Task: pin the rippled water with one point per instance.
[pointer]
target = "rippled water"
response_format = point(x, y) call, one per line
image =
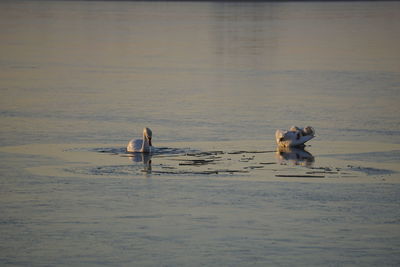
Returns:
point(96, 72)
point(213, 80)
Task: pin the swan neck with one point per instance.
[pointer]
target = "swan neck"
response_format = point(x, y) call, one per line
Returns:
point(145, 144)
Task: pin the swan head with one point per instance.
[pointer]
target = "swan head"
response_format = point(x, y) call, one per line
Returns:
point(309, 131)
point(147, 135)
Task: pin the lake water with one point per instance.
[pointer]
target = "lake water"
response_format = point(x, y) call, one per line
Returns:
point(213, 80)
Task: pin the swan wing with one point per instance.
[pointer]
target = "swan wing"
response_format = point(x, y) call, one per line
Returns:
point(301, 140)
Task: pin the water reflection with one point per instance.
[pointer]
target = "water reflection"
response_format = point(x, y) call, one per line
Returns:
point(144, 158)
point(295, 156)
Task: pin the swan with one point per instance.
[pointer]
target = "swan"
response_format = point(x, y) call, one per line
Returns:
point(294, 137)
point(141, 145)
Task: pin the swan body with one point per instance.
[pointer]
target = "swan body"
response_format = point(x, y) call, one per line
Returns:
point(141, 145)
point(294, 137)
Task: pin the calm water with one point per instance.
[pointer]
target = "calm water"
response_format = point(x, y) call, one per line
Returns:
point(81, 77)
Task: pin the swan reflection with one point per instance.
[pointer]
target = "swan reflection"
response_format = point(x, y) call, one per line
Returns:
point(296, 156)
point(144, 158)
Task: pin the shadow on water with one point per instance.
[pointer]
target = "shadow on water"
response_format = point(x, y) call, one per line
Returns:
point(294, 162)
point(165, 160)
point(144, 158)
point(295, 156)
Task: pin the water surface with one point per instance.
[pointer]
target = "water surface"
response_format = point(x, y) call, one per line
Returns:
point(213, 80)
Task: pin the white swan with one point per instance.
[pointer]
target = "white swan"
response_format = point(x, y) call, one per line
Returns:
point(294, 137)
point(141, 145)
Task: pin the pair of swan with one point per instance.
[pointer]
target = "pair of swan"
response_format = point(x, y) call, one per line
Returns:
point(294, 137)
